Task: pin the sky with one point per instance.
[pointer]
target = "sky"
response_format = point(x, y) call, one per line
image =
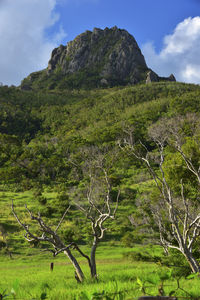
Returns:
point(168, 32)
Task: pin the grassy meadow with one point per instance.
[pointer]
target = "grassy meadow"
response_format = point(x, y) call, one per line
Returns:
point(28, 276)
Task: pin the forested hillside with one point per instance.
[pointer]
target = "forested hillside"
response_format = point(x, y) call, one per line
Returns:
point(40, 131)
point(48, 140)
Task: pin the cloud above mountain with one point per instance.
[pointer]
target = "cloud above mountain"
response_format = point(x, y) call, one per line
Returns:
point(180, 52)
point(25, 45)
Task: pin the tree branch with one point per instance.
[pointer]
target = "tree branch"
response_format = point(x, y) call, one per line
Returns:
point(61, 220)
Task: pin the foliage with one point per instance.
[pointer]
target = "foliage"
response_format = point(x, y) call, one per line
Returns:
point(39, 129)
point(44, 132)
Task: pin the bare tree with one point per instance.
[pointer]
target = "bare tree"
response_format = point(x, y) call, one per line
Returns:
point(182, 214)
point(98, 207)
point(49, 236)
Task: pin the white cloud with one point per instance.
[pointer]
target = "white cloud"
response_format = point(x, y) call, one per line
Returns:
point(180, 53)
point(24, 46)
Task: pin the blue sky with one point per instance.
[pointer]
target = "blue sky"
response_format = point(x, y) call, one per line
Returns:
point(146, 20)
point(168, 32)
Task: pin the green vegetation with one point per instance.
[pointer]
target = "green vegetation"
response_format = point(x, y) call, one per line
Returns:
point(121, 278)
point(48, 138)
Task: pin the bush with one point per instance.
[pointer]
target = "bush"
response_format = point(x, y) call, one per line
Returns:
point(177, 262)
point(138, 256)
point(62, 202)
point(2, 244)
point(37, 192)
point(128, 240)
point(42, 200)
point(47, 211)
point(70, 233)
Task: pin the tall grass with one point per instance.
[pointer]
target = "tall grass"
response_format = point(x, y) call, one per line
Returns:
point(28, 276)
point(31, 278)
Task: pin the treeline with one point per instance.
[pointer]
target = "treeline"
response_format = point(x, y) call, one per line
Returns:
point(39, 130)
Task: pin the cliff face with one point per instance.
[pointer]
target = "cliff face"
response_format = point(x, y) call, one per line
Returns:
point(94, 59)
point(110, 53)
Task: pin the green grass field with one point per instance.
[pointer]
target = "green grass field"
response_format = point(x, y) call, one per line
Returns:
point(29, 277)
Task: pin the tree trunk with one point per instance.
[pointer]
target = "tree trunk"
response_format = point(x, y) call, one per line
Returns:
point(78, 270)
point(194, 265)
point(93, 259)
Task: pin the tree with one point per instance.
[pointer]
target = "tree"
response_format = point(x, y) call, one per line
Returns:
point(97, 208)
point(49, 236)
point(176, 215)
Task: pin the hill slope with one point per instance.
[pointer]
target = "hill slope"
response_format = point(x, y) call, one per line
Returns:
point(38, 124)
point(45, 136)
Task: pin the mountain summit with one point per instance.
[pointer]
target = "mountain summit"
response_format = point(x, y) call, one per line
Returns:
point(112, 54)
point(93, 59)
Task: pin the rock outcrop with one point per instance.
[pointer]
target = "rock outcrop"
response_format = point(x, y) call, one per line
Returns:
point(110, 53)
point(153, 77)
point(98, 58)
point(171, 78)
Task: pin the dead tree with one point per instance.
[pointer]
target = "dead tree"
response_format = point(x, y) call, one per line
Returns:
point(181, 213)
point(49, 236)
point(95, 199)
point(98, 209)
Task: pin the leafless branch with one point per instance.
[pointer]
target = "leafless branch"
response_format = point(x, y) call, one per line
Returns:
point(49, 236)
point(61, 220)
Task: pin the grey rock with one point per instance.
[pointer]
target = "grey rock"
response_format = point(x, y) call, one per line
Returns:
point(152, 77)
point(104, 82)
point(98, 58)
point(171, 78)
point(111, 53)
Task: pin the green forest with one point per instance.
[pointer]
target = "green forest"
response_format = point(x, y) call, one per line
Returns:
point(109, 177)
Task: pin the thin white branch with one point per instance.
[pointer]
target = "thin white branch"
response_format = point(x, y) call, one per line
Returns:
point(61, 220)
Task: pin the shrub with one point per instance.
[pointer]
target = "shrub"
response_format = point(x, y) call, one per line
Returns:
point(42, 200)
point(145, 256)
point(128, 240)
point(177, 262)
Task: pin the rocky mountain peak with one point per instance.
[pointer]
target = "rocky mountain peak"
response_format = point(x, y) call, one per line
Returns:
point(102, 57)
point(113, 54)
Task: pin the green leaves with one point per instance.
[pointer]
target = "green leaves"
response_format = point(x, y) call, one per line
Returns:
point(192, 276)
